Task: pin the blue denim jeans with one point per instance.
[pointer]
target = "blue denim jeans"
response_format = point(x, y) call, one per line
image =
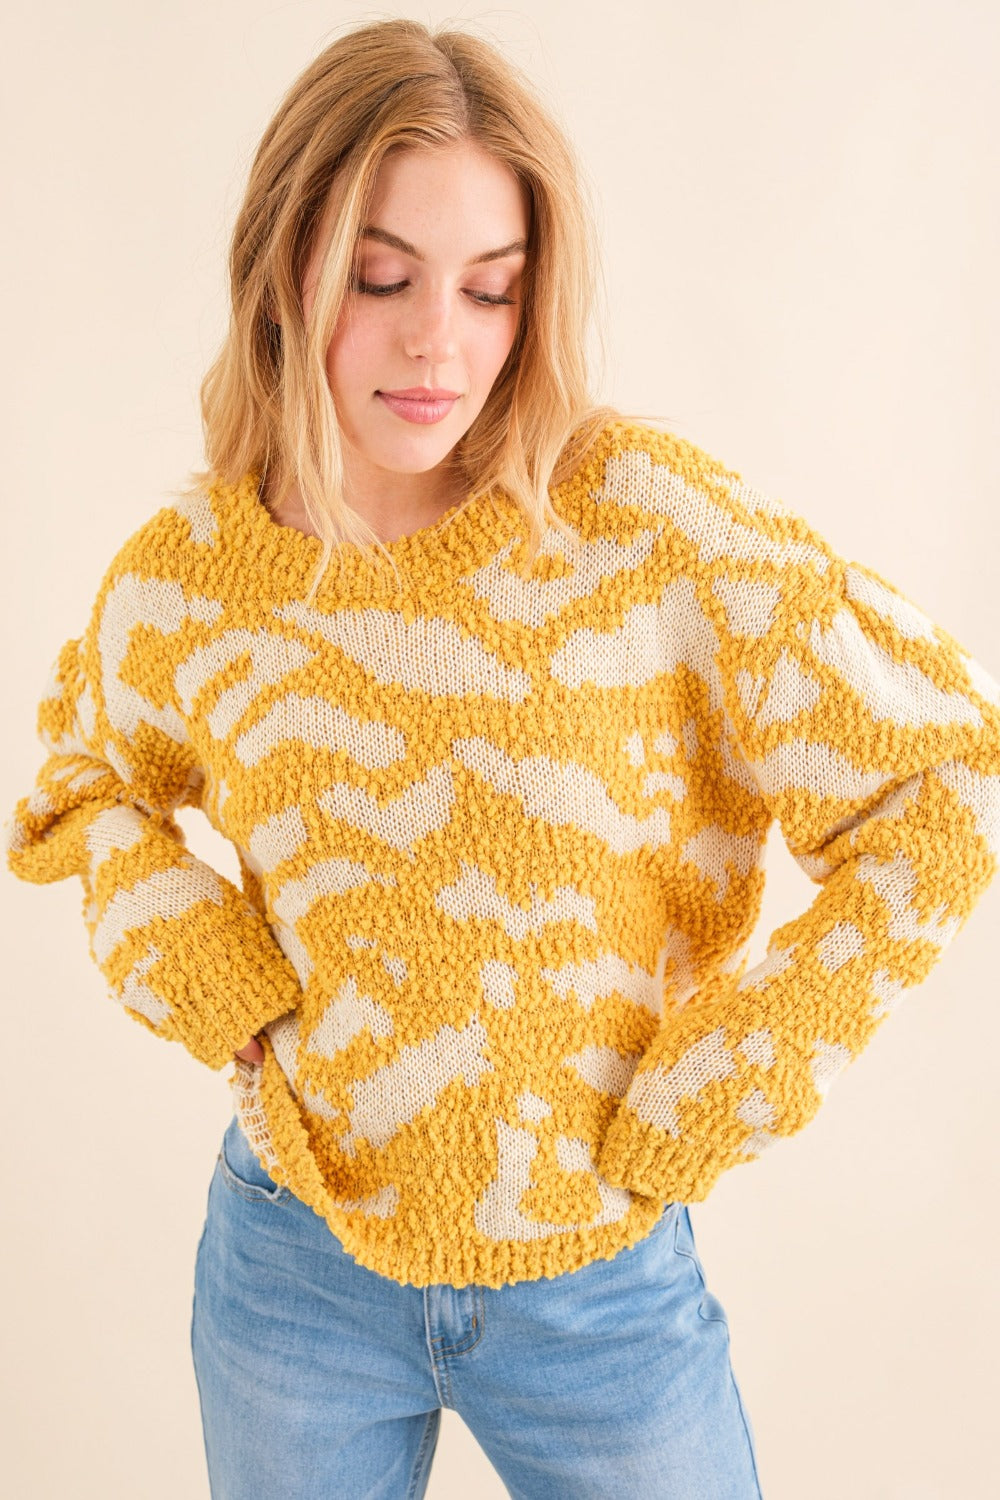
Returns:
point(322, 1380)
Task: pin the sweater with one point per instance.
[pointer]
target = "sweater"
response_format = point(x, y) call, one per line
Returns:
point(500, 833)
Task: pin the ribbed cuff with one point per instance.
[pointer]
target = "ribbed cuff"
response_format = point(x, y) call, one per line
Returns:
point(223, 985)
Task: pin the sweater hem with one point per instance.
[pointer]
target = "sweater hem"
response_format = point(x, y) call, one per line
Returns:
point(268, 1114)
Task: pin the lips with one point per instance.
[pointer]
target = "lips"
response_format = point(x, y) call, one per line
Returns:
point(419, 403)
point(422, 393)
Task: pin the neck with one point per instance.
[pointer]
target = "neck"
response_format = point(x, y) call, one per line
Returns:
point(394, 506)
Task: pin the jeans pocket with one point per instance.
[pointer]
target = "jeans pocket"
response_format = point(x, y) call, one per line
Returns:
point(710, 1309)
point(241, 1171)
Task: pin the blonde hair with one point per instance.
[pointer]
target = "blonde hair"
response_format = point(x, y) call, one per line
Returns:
point(266, 403)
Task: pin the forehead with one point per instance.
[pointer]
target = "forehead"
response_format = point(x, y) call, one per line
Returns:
point(456, 195)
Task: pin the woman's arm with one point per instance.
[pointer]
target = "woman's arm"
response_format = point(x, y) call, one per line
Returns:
point(182, 949)
point(874, 739)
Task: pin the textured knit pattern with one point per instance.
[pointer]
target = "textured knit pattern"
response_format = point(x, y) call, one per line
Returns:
point(500, 834)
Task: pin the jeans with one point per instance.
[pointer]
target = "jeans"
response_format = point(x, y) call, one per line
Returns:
point(320, 1379)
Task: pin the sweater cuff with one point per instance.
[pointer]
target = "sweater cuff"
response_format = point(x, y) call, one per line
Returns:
point(213, 1038)
point(645, 1159)
point(222, 986)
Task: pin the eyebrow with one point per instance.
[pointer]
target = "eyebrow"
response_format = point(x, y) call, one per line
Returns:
point(384, 237)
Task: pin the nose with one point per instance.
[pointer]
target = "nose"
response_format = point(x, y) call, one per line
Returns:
point(430, 330)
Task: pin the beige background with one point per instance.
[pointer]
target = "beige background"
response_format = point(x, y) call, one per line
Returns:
point(800, 211)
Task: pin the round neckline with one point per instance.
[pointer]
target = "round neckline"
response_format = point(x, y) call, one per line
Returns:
point(466, 535)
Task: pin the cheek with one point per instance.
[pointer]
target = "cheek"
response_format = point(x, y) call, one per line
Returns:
point(496, 346)
point(352, 351)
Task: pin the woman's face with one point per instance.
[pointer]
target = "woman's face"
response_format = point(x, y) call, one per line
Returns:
point(432, 313)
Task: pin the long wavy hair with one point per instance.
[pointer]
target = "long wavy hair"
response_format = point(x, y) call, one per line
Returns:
point(266, 402)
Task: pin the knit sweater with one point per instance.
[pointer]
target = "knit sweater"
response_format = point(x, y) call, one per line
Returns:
point(500, 833)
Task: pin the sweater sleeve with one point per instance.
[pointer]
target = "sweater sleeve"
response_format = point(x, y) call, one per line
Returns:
point(874, 739)
point(181, 948)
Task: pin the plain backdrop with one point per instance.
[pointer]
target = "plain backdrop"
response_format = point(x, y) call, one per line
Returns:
point(801, 223)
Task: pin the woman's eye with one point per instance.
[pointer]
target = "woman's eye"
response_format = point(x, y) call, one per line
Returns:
point(492, 299)
point(376, 289)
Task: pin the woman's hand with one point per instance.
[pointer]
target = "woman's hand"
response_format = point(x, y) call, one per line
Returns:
point(253, 1052)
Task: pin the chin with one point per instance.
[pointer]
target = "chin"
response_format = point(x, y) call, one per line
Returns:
point(413, 454)
point(409, 463)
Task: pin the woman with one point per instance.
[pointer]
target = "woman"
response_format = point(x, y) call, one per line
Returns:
point(496, 694)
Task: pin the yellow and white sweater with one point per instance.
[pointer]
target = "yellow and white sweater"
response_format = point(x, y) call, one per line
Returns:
point(500, 837)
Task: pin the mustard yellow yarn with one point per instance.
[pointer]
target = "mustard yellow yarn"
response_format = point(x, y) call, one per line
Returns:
point(501, 835)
